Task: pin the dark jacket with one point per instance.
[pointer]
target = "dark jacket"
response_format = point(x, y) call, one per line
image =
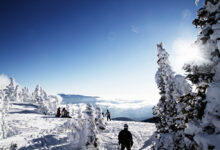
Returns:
point(58, 112)
point(125, 137)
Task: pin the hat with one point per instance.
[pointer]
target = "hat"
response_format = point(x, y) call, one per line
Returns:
point(125, 126)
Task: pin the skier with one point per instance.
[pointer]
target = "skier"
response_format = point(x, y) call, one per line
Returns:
point(58, 112)
point(108, 115)
point(125, 138)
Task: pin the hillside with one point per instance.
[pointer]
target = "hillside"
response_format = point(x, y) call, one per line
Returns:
point(150, 120)
point(122, 119)
point(27, 129)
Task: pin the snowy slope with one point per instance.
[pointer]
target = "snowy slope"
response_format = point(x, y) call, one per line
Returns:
point(31, 130)
point(28, 129)
point(141, 132)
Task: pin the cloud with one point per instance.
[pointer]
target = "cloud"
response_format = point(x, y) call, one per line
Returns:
point(123, 104)
point(136, 109)
point(4, 81)
point(134, 29)
point(196, 2)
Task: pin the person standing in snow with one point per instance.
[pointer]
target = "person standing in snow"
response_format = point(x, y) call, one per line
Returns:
point(58, 112)
point(108, 115)
point(125, 138)
point(65, 113)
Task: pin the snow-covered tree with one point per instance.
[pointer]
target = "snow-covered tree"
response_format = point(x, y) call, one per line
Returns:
point(17, 93)
point(99, 119)
point(25, 95)
point(83, 130)
point(204, 126)
point(4, 106)
point(48, 104)
point(7, 95)
point(90, 129)
point(12, 91)
point(170, 124)
point(40, 97)
point(53, 103)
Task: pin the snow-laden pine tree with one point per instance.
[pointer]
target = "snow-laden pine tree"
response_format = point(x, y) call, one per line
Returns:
point(41, 99)
point(1, 114)
point(99, 119)
point(17, 93)
point(53, 103)
point(4, 106)
point(25, 95)
point(84, 130)
point(170, 124)
point(12, 91)
point(90, 129)
point(9, 94)
point(204, 126)
point(48, 104)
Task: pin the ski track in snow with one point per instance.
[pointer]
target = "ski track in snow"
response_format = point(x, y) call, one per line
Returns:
point(30, 130)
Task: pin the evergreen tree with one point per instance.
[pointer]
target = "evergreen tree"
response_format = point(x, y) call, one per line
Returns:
point(99, 119)
point(203, 127)
point(4, 106)
point(90, 126)
point(25, 95)
point(170, 124)
point(11, 91)
point(53, 103)
point(40, 97)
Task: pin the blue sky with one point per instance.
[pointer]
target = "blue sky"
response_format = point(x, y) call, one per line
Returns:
point(91, 47)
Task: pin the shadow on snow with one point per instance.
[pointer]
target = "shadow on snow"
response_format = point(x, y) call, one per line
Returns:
point(26, 105)
point(149, 141)
point(48, 142)
point(25, 112)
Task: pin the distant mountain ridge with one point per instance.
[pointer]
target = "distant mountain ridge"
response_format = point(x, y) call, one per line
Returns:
point(150, 120)
point(122, 119)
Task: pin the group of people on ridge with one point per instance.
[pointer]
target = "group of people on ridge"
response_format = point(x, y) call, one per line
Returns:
point(64, 113)
point(124, 137)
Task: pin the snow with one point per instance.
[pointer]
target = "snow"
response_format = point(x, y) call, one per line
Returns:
point(204, 128)
point(4, 81)
point(142, 134)
point(28, 120)
point(168, 110)
point(28, 129)
point(215, 35)
point(212, 8)
point(196, 2)
point(133, 109)
point(182, 85)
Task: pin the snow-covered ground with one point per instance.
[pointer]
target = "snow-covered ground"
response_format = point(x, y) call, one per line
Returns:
point(28, 129)
point(142, 134)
